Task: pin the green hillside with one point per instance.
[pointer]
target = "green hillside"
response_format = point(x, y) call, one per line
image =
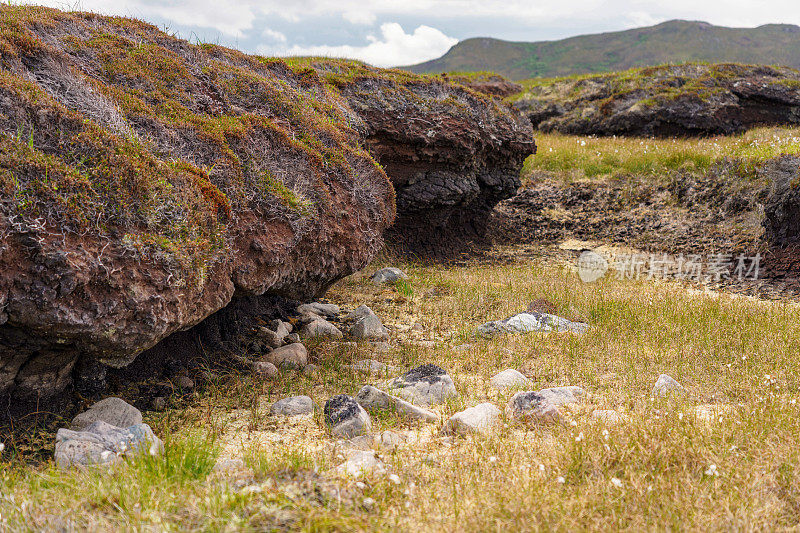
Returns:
point(670, 42)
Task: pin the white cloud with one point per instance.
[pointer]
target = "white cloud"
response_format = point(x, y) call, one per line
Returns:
point(394, 47)
point(364, 17)
point(273, 35)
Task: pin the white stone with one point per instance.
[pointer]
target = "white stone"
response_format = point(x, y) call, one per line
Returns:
point(479, 419)
point(666, 385)
point(508, 379)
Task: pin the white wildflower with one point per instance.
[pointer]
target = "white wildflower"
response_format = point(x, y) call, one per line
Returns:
point(579, 437)
point(605, 434)
point(394, 478)
point(492, 459)
point(560, 479)
point(712, 470)
point(616, 482)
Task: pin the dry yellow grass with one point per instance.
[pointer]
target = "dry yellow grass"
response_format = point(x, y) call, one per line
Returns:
point(653, 470)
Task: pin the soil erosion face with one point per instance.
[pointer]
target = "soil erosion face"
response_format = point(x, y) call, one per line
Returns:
point(148, 183)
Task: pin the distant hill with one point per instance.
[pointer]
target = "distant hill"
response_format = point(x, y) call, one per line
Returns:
point(676, 41)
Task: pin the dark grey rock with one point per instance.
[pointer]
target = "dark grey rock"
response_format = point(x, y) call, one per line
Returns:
point(532, 407)
point(346, 418)
point(427, 384)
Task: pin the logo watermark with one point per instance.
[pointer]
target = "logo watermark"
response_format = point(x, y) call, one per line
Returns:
point(712, 268)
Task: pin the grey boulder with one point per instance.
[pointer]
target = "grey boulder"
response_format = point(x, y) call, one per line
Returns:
point(103, 444)
point(532, 407)
point(665, 385)
point(293, 406)
point(532, 322)
point(318, 308)
point(291, 355)
point(479, 419)
point(427, 384)
point(320, 328)
point(372, 398)
point(563, 395)
point(369, 327)
point(112, 411)
point(346, 418)
point(388, 275)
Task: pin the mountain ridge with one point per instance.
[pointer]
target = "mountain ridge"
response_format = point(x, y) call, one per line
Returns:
point(673, 41)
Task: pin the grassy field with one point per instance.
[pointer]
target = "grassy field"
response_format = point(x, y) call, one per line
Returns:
point(579, 157)
point(724, 457)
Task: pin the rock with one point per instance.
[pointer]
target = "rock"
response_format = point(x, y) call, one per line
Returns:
point(159, 403)
point(359, 312)
point(388, 275)
point(391, 440)
point(665, 385)
point(320, 328)
point(670, 100)
point(563, 395)
point(113, 411)
point(280, 327)
point(372, 398)
point(362, 463)
point(417, 327)
point(102, 444)
point(292, 338)
point(265, 370)
point(318, 308)
point(371, 366)
point(479, 419)
point(369, 328)
point(782, 213)
point(292, 355)
point(532, 322)
point(346, 418)
point(184, 383)
point(272, 338)
point(293, 406)
point(531, 407)
point(427, 384)
point(509, 379)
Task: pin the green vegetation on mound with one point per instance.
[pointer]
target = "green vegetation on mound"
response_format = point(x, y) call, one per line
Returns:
point(670, 42)
point(109, 126)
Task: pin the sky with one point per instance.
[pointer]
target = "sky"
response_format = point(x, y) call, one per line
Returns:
point(403, 32)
